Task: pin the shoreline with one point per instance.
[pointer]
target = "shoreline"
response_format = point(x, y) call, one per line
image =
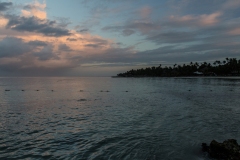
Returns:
point(187, 77)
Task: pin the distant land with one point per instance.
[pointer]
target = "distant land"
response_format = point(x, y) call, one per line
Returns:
point(227, 67)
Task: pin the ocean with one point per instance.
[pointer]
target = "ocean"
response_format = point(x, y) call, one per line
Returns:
point(103, 118)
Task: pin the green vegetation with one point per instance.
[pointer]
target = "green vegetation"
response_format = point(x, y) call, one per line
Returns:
point(228, 67)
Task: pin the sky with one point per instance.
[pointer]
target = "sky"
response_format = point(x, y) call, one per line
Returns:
point(107, 37)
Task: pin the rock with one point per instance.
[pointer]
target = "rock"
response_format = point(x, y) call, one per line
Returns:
point(228, 150)
point(205, 148)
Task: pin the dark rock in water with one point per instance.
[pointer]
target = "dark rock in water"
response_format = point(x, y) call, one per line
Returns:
point(7, 89)
point(80, 100)
point(105, 91)
point(205, 148)
point(228, 150)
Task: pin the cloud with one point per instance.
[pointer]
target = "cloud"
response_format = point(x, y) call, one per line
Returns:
point(11, 46)
point(232, 4)
point(145, 12)
point(19, 56)
point(127, 32)
point(93, 45)
point(62, 22)
point(41, 45)
point(49, 54)
point(3, 22)
point(112, 55)
point(143, 27)
point(193, 31)
point(83, 30)
point(209, 19)
point(16, 47)
point(35, 5)
point(30, 66)
point(195, 21)
point(4, 5)
point(35, 9)
point(119, 43)
point(235, 31)
point(193, 7)
point(34, 24)
point(46, 53)
point(170, 55)
point(172, 37)
point(64, 47)
point(71, 39)
point(37, 43)
point(97, 43)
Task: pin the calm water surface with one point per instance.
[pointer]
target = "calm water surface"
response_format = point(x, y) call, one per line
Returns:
point(116, 118)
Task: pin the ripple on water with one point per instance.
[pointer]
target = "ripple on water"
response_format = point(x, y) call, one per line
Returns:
point(157, 119)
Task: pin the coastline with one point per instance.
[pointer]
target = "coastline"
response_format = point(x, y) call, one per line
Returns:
point(185, 77)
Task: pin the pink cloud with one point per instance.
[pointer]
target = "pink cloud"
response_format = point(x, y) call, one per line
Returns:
point(35, 9)
point(235, 31)
point(210, 19)
point(145, 12)
point(3, 22)
point(201, 20)
point(188, 19)
point(50, 55)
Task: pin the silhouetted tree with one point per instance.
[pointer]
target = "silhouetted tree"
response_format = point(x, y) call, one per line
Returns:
point(228, 67)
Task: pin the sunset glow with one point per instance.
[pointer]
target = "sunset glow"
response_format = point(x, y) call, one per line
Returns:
point(102, 38)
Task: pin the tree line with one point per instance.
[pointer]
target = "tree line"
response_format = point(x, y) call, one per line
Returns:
point(227, 67)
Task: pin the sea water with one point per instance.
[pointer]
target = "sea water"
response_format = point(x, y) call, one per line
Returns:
point(116, 118)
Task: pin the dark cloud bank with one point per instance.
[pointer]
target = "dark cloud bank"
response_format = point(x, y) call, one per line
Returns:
point(34, 24)
point(5, 5)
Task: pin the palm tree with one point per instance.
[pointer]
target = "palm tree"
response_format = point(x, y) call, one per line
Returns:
point(227, 59)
